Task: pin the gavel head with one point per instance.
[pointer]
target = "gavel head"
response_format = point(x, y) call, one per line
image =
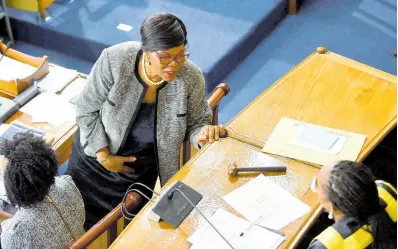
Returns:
point(232, 169)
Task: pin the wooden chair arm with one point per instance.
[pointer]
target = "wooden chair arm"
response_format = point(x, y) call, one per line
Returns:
point(218, 93)
point(133, 201)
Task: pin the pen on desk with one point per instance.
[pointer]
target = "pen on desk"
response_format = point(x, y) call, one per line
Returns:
point(272, 230)
point(251, 224)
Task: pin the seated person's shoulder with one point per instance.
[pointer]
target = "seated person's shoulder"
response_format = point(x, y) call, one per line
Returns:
point(65, 180)
point(65, 184)
point(15, 233)
point(316, 245)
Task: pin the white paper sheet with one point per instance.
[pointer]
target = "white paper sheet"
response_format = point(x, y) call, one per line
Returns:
point(11, 69)
point(231, 226)
point(50, 108)
point(57, 78)
point(73, 89)
point(262, 196)
point(318, 139)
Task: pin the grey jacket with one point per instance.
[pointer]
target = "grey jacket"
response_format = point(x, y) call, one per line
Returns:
point(41, 226)
point(111, 98)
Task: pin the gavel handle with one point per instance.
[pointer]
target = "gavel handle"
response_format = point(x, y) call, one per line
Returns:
point(244, 138)
point(263, 169)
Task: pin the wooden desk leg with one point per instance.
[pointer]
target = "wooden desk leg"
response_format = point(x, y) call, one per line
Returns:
point(292, 7)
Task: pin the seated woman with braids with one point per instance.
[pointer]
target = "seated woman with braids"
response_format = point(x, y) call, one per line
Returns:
point(364, 210)
point(50, 210)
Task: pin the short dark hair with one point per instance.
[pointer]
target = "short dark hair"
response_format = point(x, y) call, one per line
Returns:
point(352, 190)
point(31, 169)
point(162, 31)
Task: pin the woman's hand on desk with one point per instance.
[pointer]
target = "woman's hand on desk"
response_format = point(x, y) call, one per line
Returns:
point(211, 133)
point(114, 163)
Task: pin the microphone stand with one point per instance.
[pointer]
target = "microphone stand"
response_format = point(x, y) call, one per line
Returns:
point(170, 196)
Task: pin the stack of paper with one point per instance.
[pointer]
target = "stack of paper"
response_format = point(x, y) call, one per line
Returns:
point(11, 69)
point(57, 79)
point(231, 227)
point(263, 197)
point(50, 108)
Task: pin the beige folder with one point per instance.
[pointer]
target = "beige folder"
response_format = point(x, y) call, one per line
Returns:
point(313, 143)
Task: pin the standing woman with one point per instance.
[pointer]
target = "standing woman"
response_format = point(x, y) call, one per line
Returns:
point(140, 102)
point(364, 210)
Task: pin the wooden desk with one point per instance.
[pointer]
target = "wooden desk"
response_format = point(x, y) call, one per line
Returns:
point(328, 90)
point(62, 134)
point(207, 173)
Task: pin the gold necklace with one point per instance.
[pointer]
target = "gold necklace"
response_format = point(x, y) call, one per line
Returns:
point(146, 76)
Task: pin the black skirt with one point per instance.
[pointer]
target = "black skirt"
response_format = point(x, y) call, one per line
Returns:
point(103, 190)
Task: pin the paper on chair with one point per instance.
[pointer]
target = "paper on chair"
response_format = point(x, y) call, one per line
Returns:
point(262, 196)
point(50, 108)
point(230, 226)
point(11, 69)
point(57, 79)
point(313, 143)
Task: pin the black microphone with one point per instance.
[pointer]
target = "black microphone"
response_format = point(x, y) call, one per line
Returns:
point(8, 45)
point(170, 196)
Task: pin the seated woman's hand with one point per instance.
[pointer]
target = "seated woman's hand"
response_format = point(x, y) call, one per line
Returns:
point(117, 163)
point(211, 133)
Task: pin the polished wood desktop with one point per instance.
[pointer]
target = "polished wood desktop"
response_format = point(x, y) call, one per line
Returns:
point(61, 136)
point(325, 89)
point(329, 90)
point(207, 173)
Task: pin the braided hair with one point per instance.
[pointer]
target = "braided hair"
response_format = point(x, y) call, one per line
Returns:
point(30, 171)
point(352, 190)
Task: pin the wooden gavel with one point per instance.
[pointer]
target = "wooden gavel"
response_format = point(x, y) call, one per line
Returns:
point(233, 170)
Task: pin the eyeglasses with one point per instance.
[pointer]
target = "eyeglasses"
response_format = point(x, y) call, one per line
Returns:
point(166, 59)
point(313, 185)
